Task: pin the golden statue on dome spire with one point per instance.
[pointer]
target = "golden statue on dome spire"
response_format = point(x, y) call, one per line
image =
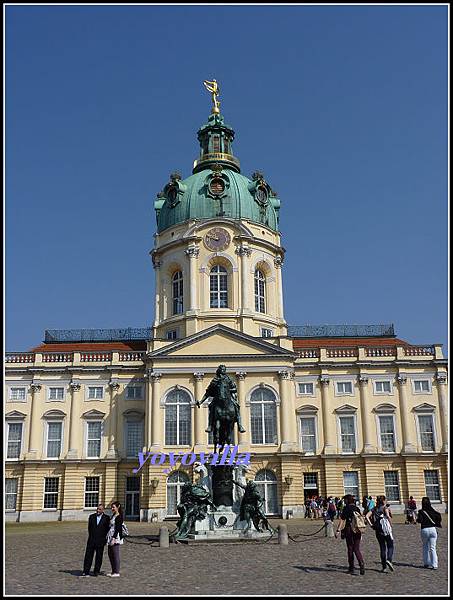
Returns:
point(213, 87)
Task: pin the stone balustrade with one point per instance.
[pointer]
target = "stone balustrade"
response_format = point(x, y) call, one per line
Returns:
point(52, 357)
point(19, 357)
point(381, 351)
point(130, 356)
point(419, 350)
point(95, 356)
point(308, 353)
point(341, 352)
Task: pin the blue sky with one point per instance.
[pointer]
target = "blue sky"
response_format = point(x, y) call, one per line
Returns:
point(344, 109)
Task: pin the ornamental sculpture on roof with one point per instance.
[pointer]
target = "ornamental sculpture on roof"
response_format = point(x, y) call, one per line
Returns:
point(213, 87)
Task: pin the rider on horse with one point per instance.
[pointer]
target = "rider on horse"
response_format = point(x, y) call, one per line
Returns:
point(222, 388)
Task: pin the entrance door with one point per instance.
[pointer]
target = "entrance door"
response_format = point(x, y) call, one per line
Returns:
point(310, 485)
point(132, 512)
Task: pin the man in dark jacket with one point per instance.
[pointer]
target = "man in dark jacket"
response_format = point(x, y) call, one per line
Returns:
point(98, 527)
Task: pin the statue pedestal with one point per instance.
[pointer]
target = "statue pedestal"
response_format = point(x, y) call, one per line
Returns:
point(224, 524)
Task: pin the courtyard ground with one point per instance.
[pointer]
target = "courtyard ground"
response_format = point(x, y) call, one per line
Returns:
point(47, 559)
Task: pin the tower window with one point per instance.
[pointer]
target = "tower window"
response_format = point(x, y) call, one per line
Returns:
point(216, 143)
point(219, 287)
point(260, 291)
point(178, 293)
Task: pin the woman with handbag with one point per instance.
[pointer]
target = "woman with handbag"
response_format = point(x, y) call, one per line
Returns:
point(380, 520)
point(429, 519)
point(115, 538)
point(351, 535)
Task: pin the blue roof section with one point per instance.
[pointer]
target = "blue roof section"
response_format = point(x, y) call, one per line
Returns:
point(145, 333)
point(97, 335)
point(315, 331)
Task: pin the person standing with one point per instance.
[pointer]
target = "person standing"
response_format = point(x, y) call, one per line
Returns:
point(350, 534)
point(380, 520)
point(429, 519)
point(98, 526)
point(115, 538)
point(411, 511)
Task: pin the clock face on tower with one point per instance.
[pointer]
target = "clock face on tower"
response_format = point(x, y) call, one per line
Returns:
point(217, 239)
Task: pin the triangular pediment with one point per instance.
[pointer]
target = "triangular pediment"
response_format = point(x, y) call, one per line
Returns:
point(93, 414)
point(346, 408)
point(15, 414)
point(221, 341)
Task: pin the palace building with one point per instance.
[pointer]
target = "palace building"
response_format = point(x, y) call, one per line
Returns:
point(327, 410)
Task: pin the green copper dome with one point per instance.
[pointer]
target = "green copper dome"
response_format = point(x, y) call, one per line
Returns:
point(216, 188)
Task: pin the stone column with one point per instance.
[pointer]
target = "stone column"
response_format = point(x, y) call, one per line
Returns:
point(158, 291)
point(327, 417)
point(34, 426)
point(364, 414)
point(149, 416)
point(278, 262)
point(407, 445)
point(156, 437)
point(245, 252)
point(287, 412)
point(192, 252)
point(243, 438)
point(441, 379)
point(113, 416)
point(74, 439)
point(200, 421)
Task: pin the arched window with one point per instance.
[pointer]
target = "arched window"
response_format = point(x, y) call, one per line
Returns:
point(177, 419)
point(260, 291)
point(218, 287)
point(266, 482)
point(175, 482)
point(178, 293)
point(263, 416)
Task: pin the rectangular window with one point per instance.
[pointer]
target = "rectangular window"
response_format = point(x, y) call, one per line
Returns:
point(134, 392)
point(54, 431)
point(51, 492)
point(18, 394)
point(172, 334)
point(351, 483)
point(344, 387)
point(308, 434)
point(95, 392)
point(216, 143)
point(134, 438)
point(94, 431)
point(432, 485)
point(310, 481)
point(91, 492)
point(266, 333)
point(426, 427)
point(56, 393)
point(14, 440)
point(306, 389)
point(11, 493)
point(421, 386)
point(383, 387)
point(387, 431)
point(392, 486)
point(347, 432)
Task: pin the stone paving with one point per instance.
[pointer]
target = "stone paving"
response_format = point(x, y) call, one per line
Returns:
point(47, 559)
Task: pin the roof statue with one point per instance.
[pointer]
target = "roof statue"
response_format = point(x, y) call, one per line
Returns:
point(213, 87)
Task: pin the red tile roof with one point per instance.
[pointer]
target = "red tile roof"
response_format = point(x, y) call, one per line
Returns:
point(91, 346)
point(346, 342)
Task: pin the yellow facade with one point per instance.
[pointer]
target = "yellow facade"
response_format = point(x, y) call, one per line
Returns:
point(320, 418)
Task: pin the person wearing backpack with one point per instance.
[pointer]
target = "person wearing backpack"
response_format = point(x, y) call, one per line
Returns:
point(351, 525)
point(115, 538)
point(429, 519)
point(331, 509)
point(380, 520)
